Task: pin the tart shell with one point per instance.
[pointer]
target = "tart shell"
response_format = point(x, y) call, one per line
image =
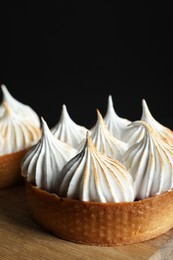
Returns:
point(10, 171)
point(102, 224)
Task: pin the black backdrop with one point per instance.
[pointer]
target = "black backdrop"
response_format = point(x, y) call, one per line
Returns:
point(78, 53)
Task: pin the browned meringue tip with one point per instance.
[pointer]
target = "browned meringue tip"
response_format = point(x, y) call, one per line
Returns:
point(103, 224)
point(10, 170)
point(8, 109)
point(99, 116)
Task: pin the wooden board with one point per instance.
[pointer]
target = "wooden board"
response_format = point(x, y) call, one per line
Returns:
point(21, 238)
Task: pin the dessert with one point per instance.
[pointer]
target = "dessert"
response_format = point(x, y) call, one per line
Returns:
point(19, 130)
point(132, 135)
point(150, 163)
point(25, 111)
point(104, 141)
point(67, 130)
point(163, 131)
point(93, 176)
point(99, 200)
point(45, 160)
point(116, 125)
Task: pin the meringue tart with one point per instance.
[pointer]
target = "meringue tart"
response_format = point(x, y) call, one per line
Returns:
point(19, 131)
point(94, 199)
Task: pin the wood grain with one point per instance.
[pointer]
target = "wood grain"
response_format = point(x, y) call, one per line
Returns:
point(22, 239)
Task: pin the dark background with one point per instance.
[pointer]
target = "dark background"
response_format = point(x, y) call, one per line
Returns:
point(77, 53)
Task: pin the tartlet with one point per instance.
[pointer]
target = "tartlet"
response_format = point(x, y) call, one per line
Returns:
point(19, 131)
point(102, 224)
point(99, 200)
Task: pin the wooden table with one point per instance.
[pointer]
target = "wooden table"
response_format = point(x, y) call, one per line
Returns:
point(21, 238)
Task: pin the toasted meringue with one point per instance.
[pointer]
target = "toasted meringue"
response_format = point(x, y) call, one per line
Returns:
point(133, 135)
point(150, 163)
point(99, 200)
point(17, 134)
point(25, 111)
point(114, 123)
point(43, 163)
point(163, 131)
point(19, 131)
point(67, 130)
point(105, 142)
point(92, 176)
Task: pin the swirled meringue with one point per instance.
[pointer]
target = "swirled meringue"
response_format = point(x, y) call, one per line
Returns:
point(17, 133)
point(105, 142)
point(150, 162)
point(25, 111)
point(163, 131)
point(67, 130)
point(114, 123)
point(43, 163)
point(133, 135)
point(92, 176)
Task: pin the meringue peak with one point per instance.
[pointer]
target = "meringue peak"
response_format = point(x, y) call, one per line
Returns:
point(145, 110)
point(19, 124)
point(64, 111)
point(21, 110)
point(113, 122)
point(110, 101)
point(99, 117)
point(104, 140)
point(150, 162)
point(110, 106)
point(5, 91)
point(67, 130)
point(43, 163)
point(165, 133)
point(45, 127)
point(93, 176)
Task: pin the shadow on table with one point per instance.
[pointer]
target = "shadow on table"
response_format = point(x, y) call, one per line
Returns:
point(13, 208)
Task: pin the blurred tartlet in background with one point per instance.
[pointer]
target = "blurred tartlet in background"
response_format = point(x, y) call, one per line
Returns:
point(19, 131)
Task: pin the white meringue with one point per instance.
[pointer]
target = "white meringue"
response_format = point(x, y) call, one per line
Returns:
point(17, 133)
point(43, 163)
point(25, 111)
point(114, 123)
point(105, 142)
point(92, 176)
point(150, 163)
point(67, 130)
point(163, 131)
point(133, 135)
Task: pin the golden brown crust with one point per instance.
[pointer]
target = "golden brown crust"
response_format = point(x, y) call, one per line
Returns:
point(10, 171)
point(103, 224)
